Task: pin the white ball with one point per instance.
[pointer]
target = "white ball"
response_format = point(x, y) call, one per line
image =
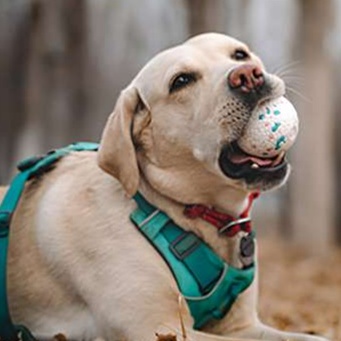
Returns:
point(271, 129)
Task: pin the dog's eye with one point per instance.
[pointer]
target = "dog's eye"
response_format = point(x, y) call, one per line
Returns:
point(240, 54)
point(181, 81)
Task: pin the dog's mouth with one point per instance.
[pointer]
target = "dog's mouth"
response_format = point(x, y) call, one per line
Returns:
point(237, 164)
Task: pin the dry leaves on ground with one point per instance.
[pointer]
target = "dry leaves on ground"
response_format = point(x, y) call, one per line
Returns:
point(300, 293)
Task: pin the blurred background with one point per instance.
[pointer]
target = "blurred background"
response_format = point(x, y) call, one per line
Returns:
point(63, 63)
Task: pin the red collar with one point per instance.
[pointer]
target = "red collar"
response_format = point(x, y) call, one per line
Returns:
point(225, 223)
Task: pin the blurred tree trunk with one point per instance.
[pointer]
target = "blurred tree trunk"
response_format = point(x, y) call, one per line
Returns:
point(81, 54)
point(217, 16)
point(121, 37)
point(206, 16)
point(14, 25)
point(54, 92)
point(337, 153)
point(312, 194)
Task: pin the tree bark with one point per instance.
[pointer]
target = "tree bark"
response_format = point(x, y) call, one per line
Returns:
point(312, 188)
point(14, 25)
point(207, 16)
point(54, 92)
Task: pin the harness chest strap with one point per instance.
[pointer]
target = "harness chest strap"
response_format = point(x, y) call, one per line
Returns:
point(209, 285)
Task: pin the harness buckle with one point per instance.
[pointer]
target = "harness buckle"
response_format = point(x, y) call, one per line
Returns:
point(239, 221)
point(184, 245)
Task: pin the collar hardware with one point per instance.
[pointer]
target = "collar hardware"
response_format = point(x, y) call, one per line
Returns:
point(225, 223)
point(240, 221)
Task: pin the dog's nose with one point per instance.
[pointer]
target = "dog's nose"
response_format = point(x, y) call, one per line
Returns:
point(246, 77)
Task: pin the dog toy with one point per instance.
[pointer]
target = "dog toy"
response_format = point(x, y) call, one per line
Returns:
point(271, 130)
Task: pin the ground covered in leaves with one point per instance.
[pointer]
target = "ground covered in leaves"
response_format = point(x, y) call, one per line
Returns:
point(300, 292)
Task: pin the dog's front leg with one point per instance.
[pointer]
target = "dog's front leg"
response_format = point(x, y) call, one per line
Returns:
point(260, 331)
point(195, 335)
point(243, 322)
point(246, 324)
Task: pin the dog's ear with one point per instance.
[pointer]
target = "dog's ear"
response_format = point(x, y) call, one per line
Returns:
point(116, 154)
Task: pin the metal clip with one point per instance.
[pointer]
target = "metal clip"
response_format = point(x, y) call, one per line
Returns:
point(234, 223)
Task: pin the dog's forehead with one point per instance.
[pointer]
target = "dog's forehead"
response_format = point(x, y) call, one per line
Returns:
point(216, 42)
point(165, 61)
point(195, 52)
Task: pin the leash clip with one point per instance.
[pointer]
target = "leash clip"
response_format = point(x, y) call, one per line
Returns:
point(239, 221)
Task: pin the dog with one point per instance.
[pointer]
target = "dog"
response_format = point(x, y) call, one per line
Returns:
point(78, 266)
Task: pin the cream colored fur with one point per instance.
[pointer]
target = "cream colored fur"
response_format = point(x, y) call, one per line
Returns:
point(78, 266)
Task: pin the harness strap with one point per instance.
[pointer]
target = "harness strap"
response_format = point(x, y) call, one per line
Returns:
point(28, 168)
point(209, 285)
point(188, 249)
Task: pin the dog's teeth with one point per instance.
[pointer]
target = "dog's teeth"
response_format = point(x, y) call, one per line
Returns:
point(281, 155)
point(254, 166)
point(279, 158)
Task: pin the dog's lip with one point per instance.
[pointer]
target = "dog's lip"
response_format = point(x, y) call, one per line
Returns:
point(237, 164)
point(269, 98)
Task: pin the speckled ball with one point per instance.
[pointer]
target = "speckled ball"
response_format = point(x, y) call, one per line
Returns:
point(271, 129)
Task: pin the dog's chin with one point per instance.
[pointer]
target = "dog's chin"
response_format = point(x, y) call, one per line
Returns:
point(256, 173)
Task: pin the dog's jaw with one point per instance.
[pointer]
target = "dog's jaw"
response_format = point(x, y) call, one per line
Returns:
point(233, 203)
point(178, 187)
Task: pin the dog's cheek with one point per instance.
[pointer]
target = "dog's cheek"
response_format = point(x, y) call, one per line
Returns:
point(206, 144)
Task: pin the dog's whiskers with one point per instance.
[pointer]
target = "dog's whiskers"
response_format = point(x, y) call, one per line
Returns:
point(286, 67)
point(289, 71)
point(299, 94)
point(290, 76)
point(295, 83)
point(293, 77)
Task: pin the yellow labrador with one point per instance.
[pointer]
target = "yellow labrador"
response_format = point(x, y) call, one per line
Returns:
point(78, 266)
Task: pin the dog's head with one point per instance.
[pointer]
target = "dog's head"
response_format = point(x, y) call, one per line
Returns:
point(178, 121)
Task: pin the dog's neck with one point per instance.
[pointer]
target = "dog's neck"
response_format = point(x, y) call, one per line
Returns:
point(233, 203)
point(230, 201)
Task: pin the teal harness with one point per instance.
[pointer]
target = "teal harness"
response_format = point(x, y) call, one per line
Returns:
point(29, 168)
point(209, 285)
